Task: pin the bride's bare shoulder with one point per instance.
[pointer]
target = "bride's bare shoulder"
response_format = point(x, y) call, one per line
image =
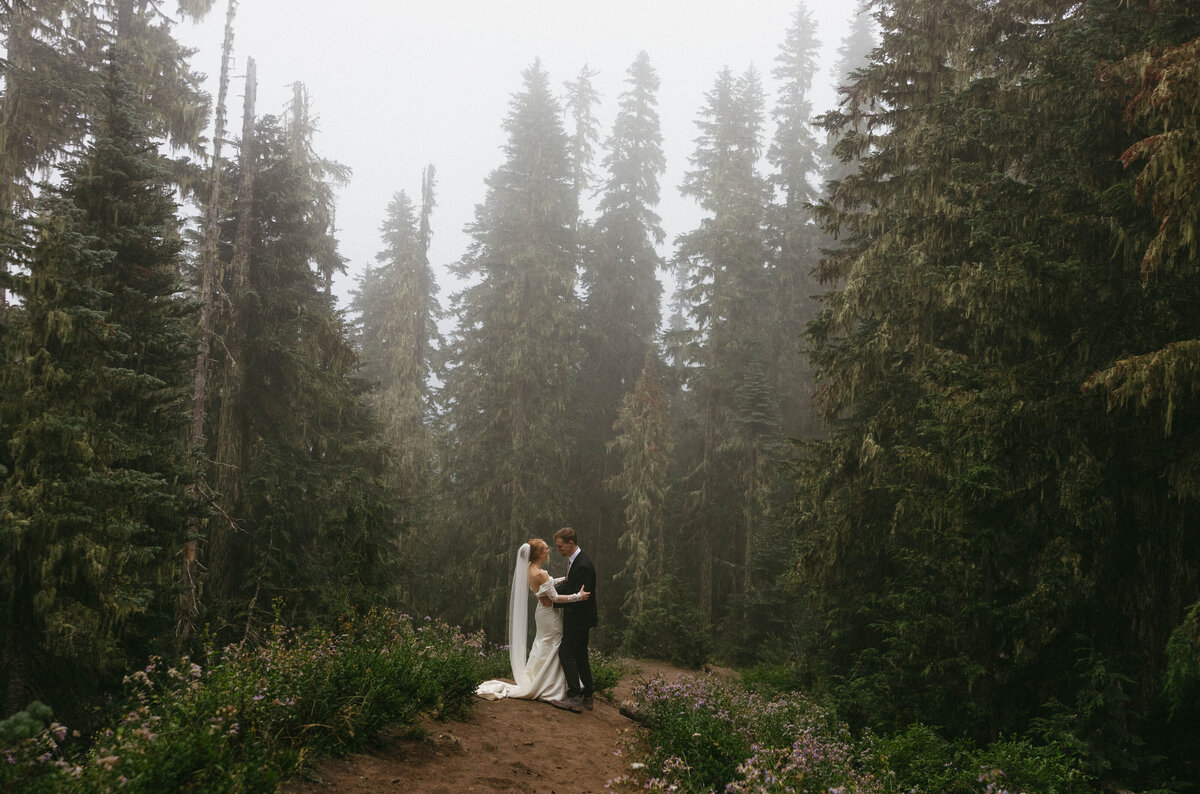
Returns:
point(538, 577)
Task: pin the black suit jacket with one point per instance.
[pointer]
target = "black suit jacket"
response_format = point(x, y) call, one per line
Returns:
point(580, 614)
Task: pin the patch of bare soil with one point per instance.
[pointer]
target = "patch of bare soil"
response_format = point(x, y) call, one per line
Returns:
point(507, 745)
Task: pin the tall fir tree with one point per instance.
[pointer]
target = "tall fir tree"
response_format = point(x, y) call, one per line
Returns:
point(54, 78)
point(621, 294)
point(643, 445)
point(514, 354)
point(795, 236)
point(722, 272)
point(313, 522)
point(1159, 83)
point(579, 107)
point(95, 415)
point(971, 523)
point(400, 347)
point(853, 54)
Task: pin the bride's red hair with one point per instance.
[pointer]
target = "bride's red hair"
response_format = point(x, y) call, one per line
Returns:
point(537, 549)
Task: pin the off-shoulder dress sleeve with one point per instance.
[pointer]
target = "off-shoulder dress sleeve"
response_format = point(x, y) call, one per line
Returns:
point(547, 589)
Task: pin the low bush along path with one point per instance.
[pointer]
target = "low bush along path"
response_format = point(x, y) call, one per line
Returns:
point(507, 745)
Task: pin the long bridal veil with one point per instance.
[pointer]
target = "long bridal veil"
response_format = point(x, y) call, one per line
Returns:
point(518, 616)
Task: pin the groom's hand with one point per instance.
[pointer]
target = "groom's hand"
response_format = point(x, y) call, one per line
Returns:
point(546, 602)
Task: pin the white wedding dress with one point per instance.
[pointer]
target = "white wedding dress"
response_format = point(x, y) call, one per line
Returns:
point(542, 677)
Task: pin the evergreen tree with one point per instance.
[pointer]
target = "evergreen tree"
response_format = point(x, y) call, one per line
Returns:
point(399, 347)
point(513, 356)
point(582, 97)
point(796, 238)
point(54, 78)
point(643, 445)
point(311, 521)
point(620, 312)
point(721, 268)
point(853, 54)
point(1160, 84)
point(398, 339)
point(966, 535)
point(96, 372)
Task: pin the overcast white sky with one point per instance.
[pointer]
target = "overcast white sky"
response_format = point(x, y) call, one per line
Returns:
point(399, 84)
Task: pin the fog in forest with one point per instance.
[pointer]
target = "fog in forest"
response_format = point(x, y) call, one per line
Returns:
point(366, 363)
point(397, 86)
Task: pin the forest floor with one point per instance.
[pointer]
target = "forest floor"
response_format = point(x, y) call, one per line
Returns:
point(506, 745)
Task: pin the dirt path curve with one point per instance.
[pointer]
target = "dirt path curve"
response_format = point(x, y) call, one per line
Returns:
point(507, 745)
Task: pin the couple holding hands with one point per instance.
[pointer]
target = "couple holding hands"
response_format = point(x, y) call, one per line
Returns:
point(557, 669)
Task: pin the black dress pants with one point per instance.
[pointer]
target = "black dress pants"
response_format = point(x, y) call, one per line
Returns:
point(573, 654)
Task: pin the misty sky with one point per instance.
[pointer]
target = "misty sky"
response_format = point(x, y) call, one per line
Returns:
point(399, 84)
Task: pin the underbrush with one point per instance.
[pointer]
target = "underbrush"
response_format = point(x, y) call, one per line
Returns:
point(703, 735)
point(254, 716)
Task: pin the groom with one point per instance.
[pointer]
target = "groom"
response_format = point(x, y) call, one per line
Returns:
point(578, 619)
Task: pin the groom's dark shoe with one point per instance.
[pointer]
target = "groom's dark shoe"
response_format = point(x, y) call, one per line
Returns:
point(587, 702)
point(568, 704)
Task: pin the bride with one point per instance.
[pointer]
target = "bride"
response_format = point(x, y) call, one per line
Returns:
point(540, 677)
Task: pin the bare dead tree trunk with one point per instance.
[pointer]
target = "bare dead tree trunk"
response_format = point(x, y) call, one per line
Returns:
point(188, 609)
point(229, 426)
point(425, 233)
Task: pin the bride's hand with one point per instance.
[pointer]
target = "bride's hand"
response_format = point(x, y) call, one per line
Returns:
point(584, 595)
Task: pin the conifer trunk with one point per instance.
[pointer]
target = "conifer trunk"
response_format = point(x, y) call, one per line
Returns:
point(187, 609)
point(706, 552)
point(17, 648)
point(229, 427)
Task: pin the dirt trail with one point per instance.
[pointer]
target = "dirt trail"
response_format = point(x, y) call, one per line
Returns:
point(507, 745)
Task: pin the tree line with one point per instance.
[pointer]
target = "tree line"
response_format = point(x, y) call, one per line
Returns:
point(916, 432)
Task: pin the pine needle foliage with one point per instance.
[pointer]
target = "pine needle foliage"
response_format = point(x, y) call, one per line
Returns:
point(513, 359)
point(97, 358)
point(620, 311)
point(721, 268)
point(312, 524)
point(643, 445)
point(982, 543)
point(400, 350)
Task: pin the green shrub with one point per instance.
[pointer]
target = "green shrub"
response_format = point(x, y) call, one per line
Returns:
point(703, 735)
point(25, 724)
point(258, 715)
point(670, 627)
point(708, 736)
point(773, 679)
point(32, 750)
point(607, 672)
point(922, 761)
